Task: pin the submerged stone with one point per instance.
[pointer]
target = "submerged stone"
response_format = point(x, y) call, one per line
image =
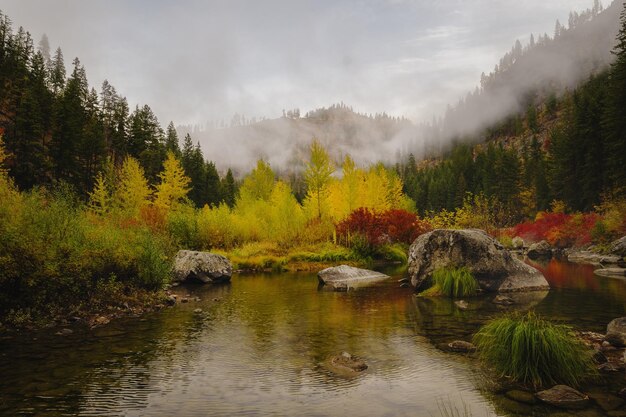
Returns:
point(606, 401)
point(346, 361)
point(521, 396)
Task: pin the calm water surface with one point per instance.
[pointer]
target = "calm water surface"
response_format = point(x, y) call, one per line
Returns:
point(261, 345)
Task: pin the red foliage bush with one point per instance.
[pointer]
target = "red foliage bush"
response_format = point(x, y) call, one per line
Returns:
point(559, 229)
point(390, 226)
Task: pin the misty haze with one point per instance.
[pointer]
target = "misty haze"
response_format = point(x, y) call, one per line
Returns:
point(313, 208)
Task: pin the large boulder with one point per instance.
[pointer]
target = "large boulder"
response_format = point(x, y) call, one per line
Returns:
point(201, 267)
point(491, 264)
point(616, 332)
point(540, 250)
point(344, 277)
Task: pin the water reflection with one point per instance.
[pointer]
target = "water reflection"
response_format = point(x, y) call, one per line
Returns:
point(259, 347)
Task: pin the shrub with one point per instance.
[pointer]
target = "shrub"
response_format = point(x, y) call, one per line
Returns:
point(453, 282)
point(559, 229)
point(55, 254)
point(380, 228)
point(534, 351)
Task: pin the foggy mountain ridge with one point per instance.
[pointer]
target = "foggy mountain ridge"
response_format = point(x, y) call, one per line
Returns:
point(523, 77)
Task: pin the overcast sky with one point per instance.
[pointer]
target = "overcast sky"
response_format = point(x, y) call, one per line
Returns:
point(194, 60)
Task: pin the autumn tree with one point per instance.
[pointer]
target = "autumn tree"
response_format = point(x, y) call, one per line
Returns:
point(318, 174)
point(174, 184)
point(133, 191)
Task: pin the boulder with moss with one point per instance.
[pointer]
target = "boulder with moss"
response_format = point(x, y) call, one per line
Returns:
point(495, 269)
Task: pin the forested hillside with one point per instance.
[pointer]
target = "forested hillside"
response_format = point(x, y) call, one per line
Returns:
point(58, 129)
point(565, 145)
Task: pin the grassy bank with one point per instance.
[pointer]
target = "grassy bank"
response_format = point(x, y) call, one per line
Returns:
point(268, 256)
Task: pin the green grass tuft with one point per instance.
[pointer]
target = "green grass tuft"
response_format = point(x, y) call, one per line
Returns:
point(534, 352)
point(452, 282)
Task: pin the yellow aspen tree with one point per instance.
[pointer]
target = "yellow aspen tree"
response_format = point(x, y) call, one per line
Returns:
point(133, 191)
point(100, 197)
point(258, 184)
point(174, 184)
point(318, 174)
point(286, 217)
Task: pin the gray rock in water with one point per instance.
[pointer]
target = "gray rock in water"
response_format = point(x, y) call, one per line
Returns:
point(592, 258)
point(64, 332)
point(344, 277)
point(618, 247)
point(563, 396)
point(540, 250)
point(461, 304)
point(461, 346)
point(611, 272)
point(616, 332)
point(202, 267)
point(491, 264)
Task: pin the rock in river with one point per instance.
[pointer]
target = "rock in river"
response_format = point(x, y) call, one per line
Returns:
point(540, 250)
point(201, 267)
point(564, 397)
point(611, 272)
point(491, 264)
point(344, 277)
point(348, 362)
point(616, 332)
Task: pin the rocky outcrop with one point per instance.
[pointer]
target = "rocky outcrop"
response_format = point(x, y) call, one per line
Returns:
point(203, 267)
point(616, 332)
point(618, 247)
point(564, 397)
point(344, 277)
point(490, 263)
point(540, 250)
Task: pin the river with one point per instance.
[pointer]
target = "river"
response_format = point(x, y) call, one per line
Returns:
point(260, 347)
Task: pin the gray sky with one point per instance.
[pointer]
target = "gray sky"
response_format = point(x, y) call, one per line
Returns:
point(194, 61)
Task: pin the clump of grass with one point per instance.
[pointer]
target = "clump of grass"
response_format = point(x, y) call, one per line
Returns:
point(534, 351)
point(452, 282)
